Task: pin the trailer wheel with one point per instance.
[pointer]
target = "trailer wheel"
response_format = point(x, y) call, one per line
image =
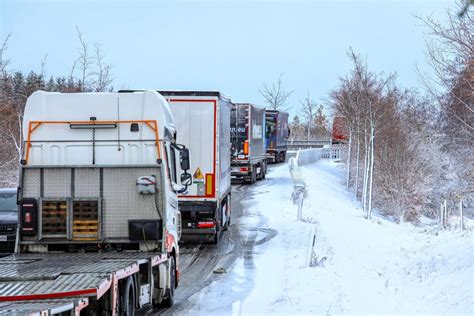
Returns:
point(127, 299)
point(215, 240)
point(264, 170)
point(228, 213)
point(253, 177)
point(260, 174)
point(169, 301)
point(282, 157)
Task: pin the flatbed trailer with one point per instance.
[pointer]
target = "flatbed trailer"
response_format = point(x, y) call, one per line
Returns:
point(27, 280)
point(72, 306)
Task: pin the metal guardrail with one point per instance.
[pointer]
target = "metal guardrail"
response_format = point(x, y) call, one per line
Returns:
point(298, 144)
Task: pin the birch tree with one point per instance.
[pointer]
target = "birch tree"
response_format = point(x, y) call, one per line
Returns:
point(275, 94)
point(308, 110)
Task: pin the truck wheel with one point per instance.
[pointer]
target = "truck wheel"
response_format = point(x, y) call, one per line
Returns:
point(258, 175)
point(128, 298)
point(277, 157)
point(169, 301)
point(229, 213)
point(264, 170)
point(282, 157)
point(215, 241)
point(226, 204)
point(253, 178)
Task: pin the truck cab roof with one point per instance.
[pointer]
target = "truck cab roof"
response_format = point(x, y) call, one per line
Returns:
point(63, 128)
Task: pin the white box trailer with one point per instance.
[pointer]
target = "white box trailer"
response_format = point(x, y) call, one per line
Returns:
point(98, 208)
point(203, 121)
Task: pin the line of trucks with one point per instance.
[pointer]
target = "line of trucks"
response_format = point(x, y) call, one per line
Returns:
point(110, 183)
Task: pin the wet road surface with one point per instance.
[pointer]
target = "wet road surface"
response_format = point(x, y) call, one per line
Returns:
point(198, 261)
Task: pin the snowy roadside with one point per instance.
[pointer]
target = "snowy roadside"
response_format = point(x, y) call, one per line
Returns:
point(368, 266)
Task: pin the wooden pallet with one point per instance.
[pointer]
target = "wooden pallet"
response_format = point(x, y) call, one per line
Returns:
point(85, 230)
point(54, 218)
point(85, 225)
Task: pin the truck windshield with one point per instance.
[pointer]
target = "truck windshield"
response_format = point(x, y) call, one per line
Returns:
point(8, 202)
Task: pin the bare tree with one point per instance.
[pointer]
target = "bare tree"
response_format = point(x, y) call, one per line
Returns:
point(308, 109)
point(465, 7)
point(103, 73)
point(84, 61)
point(43, 65)
point(450, 52)
point(3, 61)
point(275, 95)
point(363, 99)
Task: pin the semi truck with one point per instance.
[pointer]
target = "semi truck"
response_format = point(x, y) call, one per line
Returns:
point(99, 223)
point(277, 133)
point(248, 152)
point(203, 121)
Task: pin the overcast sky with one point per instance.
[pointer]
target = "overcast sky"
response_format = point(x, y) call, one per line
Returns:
point(230, 46)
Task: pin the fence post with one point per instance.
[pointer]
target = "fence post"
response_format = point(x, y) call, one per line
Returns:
point(445, 213)
point(300, 205)
point(461, 213)
point(441, 216)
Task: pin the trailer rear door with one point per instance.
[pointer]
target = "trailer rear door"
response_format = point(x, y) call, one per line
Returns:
point(195, 120)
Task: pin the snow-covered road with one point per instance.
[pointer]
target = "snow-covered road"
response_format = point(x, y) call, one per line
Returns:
point(364, 266)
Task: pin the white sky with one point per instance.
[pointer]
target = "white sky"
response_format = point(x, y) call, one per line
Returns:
point(231, 46)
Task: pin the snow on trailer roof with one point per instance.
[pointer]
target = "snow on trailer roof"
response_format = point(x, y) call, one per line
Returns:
point(251, 104)
point(186, 93)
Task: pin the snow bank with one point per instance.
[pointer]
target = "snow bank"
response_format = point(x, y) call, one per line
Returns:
point(364, 266)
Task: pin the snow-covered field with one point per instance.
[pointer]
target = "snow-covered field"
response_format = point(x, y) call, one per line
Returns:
point(361, 267)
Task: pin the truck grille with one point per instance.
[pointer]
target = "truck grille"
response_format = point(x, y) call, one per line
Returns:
point(7, 228)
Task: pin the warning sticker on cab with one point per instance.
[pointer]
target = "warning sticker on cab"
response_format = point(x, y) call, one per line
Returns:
point(198, 176)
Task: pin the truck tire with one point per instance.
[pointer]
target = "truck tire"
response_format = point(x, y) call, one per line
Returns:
point(127, 298)
point(169, 300)
point(226, 225)
point(253, 178)
point(264, 170)
point(215, 240)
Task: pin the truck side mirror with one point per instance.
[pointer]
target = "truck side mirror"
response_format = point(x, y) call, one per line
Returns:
point(184, 159)
point(186, 179)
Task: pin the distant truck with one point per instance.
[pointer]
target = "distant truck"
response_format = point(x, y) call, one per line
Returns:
point(339, 130)
point(203, 121)
point(99, 223)
point(248, 150)
point(277, 133)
